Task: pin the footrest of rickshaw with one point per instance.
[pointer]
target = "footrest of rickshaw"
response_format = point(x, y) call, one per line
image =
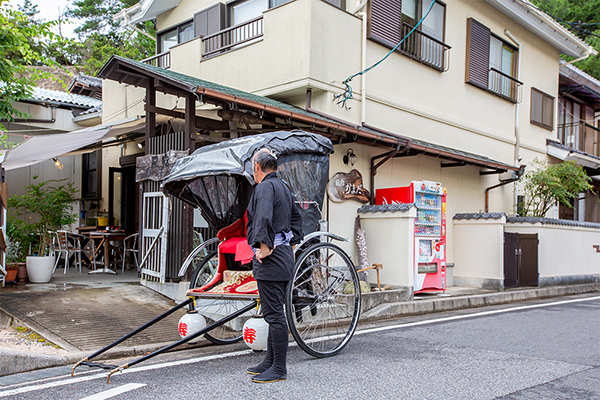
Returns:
point(226, 296)
point(92, 364)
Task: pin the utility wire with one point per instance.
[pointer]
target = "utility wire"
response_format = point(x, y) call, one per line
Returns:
point(342, 98)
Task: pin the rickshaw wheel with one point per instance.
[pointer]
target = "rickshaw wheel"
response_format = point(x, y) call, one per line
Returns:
point(204, 269)
point(323, 304)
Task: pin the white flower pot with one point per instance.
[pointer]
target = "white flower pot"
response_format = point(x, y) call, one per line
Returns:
point(39, 269)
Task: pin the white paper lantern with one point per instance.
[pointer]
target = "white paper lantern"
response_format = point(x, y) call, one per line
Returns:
point(255, 332)
point(191, 323)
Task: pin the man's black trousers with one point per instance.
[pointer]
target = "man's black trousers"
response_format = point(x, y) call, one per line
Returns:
point(272, 301)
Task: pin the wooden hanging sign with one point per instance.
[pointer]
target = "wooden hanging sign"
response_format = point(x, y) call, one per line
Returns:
point(347, 186)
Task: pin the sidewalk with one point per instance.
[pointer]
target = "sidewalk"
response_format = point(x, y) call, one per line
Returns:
point(82, 314)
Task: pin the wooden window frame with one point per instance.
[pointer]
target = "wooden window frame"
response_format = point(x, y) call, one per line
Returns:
point(85, 176)
point(536, 123)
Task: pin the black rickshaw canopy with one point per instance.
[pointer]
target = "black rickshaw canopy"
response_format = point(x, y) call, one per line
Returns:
point(218, 178)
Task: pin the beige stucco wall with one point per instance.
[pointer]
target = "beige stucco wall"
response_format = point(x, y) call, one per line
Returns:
point(479, 253)
point(563, 250)
point(390, 241)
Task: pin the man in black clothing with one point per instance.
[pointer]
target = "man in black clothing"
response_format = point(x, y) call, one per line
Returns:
point(274, 225)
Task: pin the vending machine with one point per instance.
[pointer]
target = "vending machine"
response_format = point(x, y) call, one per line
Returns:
point(429, 199)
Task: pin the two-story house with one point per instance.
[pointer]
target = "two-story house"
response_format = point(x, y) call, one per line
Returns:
point(466, 99)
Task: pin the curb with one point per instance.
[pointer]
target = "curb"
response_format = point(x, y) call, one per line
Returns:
point(391, 310)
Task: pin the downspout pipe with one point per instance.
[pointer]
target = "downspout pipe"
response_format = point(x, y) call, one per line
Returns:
point(363, 78)
point(517, 155)
point(506, 182)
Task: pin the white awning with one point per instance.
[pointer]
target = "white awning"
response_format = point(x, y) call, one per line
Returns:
point(565, 153)
point(44, 147)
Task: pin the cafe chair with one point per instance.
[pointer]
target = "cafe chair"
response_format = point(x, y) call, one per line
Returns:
point(73, 244)
point(130, 245)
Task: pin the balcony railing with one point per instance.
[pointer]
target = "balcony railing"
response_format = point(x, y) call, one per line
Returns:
point(233, 36)
point(580, 136)
point(504, 85)
point(162, 60)
point(424, 48)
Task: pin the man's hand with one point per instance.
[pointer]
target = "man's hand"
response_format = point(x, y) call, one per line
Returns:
point(263, 252)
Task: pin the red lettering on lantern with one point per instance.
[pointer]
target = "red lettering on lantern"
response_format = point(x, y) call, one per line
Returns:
point(183, 328)
point(249, 335)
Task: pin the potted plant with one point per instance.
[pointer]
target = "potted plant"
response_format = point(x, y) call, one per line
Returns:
point(45, 207)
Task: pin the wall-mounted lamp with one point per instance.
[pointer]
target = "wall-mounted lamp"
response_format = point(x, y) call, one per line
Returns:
point(141, 144)
point(57, 163)
point(350, 157)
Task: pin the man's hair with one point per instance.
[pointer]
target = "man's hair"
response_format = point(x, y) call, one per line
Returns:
point(265, 160)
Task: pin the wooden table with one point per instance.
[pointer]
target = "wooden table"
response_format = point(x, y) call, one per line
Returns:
point(106, 238)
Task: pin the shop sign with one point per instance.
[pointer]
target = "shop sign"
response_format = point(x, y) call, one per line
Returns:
point(347, 186)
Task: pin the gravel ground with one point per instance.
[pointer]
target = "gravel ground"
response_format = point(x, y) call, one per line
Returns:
point(21, 339)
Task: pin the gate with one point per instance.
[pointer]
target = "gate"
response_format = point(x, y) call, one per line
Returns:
point(520, 260)
point(155, 223)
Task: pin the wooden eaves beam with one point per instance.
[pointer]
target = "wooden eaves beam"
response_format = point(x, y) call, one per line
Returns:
point(200, 122)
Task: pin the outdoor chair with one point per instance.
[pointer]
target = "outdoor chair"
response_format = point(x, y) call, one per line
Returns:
point(72, 244)
point(130, 245)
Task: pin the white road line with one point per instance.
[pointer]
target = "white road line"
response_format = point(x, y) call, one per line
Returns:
point(107, 394)
point(474, 315)
point(69, 380)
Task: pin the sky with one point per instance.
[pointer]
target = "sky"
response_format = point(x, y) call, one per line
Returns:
point(49, 11)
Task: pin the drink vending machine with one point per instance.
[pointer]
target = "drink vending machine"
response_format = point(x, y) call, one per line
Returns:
point(429, 199)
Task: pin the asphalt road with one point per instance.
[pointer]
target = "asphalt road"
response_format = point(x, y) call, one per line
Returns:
point(535, 350)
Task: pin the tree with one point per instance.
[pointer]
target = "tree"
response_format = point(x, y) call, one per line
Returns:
point(582, 17)
point(101, 36)
point(547, 185)
point(20, 42)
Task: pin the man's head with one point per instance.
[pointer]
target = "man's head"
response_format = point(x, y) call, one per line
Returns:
point(263, 163)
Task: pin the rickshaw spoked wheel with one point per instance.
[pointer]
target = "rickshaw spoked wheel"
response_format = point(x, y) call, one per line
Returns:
point(323, 304)
point(205, 268)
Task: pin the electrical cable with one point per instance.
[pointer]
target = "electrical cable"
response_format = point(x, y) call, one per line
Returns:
point(347, 94)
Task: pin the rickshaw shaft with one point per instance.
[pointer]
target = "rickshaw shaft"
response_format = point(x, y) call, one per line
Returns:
point(141, 328)
point(196, 334)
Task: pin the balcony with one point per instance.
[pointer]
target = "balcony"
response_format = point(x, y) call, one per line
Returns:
point(580, 136)
point(219, 42)
point(504, 85)
point(232, 37)
point(425, 49)
point(162, 60)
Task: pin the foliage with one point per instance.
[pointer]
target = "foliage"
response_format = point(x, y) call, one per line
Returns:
point(22, 43)
point(582, 17)
point(46, 206)
point(101, 36)
point(547, 185)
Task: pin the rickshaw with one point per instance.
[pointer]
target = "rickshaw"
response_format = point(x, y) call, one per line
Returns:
point(323, 298)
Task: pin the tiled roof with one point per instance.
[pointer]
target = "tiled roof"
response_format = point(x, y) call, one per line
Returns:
point(193, 84)
point(551, 221)
point(561, 146)
point(496, 215)
point(392, 208)
point(88, 80)
point(64, 98)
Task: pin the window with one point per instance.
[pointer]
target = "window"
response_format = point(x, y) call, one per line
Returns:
point(91, 167)
point(247, 10)
point(569, 123)
point(542, 109)
point(491, 62)
point(392, 20)
point(175, 36)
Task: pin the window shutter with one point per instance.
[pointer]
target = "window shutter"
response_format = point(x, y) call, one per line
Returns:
point(210, 20)
point(337, 3)
point(478, 53)
point(384, 22)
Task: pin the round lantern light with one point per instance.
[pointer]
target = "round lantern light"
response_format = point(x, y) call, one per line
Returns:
point(191, 323)
point(255, 333)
